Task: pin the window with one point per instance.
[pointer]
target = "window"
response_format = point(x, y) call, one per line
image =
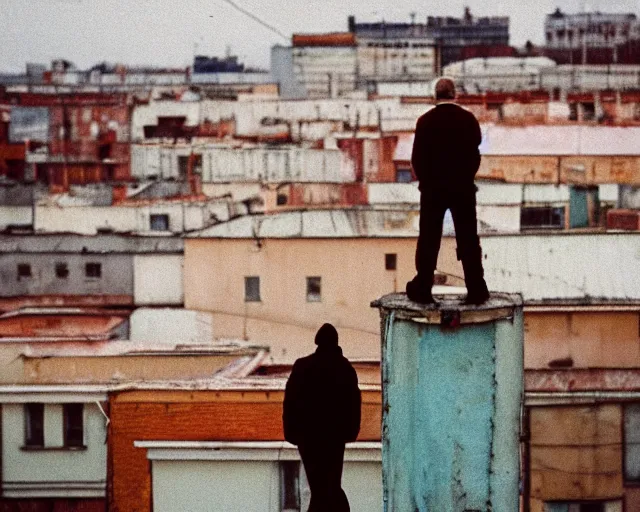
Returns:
point(390, 261)
point(588, 111)
point(289, 486)
point(584, 506)
point(252, 289)
point(24, 271)
point(93, 270)
point(159, 222)
point(536, 217)
point(62, 270)
point(34, 425)
point(632, 443)
point(404, 176)
point(314, 289)
point(281, 199)
point(183, 165)
point(73, 425)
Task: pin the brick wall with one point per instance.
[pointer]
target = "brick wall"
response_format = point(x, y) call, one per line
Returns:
point(193, 416)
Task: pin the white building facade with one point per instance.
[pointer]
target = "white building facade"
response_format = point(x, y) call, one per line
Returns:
point(252, 476)
point(53, 442)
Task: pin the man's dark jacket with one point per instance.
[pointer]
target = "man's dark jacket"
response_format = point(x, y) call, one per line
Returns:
point(322, 399)
point(445, 153)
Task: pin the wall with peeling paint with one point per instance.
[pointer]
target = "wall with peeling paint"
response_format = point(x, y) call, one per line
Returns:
point(582, 339)
point(451, 406)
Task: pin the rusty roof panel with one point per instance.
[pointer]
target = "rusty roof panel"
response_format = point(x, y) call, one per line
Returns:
point(330, 39)
point(588, 379)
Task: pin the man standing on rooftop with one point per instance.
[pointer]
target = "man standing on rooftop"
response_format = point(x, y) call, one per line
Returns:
point(445, 159)
point(321, 413)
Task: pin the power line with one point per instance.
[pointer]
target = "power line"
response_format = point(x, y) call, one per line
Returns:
point(255, 18)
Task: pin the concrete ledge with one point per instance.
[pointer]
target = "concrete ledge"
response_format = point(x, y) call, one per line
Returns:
point(449, 309)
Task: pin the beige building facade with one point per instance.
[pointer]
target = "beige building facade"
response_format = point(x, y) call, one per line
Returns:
point(285, 316)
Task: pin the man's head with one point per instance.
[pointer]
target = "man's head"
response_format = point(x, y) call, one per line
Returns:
point(327, 335)
point(445, 89)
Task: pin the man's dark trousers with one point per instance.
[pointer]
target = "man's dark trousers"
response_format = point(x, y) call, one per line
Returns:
point(323, 466)
point(434, 203)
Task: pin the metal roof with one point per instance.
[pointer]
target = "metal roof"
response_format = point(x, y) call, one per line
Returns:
point(585, 267)
point(98, 244)
point(545, 140)
point(335, 223)
point(503, 194)
point(489, 193)
point(139, 348)
point(560, 140)
point(545, 193)
point(393, 193)
point(62, 311)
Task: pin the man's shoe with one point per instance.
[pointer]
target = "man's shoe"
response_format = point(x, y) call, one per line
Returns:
point(476, 298)
point(419, 294)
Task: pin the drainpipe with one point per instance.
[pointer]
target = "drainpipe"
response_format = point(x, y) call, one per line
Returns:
point(526, 460)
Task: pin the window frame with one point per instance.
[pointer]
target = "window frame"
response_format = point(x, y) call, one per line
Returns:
point(629, 481)
point(30, 440)
point(311, 296)
point(290, 478)
point(69, 430)
point(571, 505)
point(20, 267)
point(391, 261)
point(165, 218)
point(404, 175)
point(248, 290)
point(61, 270)
point(552, 210)
point(93, 264)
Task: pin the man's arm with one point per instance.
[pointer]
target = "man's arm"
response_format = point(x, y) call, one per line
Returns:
point(475, 136)
point(418, 152)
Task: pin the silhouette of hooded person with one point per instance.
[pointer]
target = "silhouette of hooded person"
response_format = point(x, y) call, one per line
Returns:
point(445, 159)
point(321, 413)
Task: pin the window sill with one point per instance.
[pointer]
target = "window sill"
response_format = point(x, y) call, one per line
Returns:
point(53, 448)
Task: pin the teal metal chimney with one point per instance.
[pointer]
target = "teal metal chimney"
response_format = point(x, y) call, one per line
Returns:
point(452, 391)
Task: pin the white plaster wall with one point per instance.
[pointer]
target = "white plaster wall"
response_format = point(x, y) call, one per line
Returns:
point(158, 279)
point(202, 486)
point(501, 219)
point(15, 215)
point(87, 220)
point(424, 88)
point(362, 482)
point(83, 220)
point(57, 466)
point(168, 325)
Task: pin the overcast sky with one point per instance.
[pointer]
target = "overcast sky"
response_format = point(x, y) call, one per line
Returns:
point(168, 32)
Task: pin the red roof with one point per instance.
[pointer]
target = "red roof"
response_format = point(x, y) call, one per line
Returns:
point(331, 39)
